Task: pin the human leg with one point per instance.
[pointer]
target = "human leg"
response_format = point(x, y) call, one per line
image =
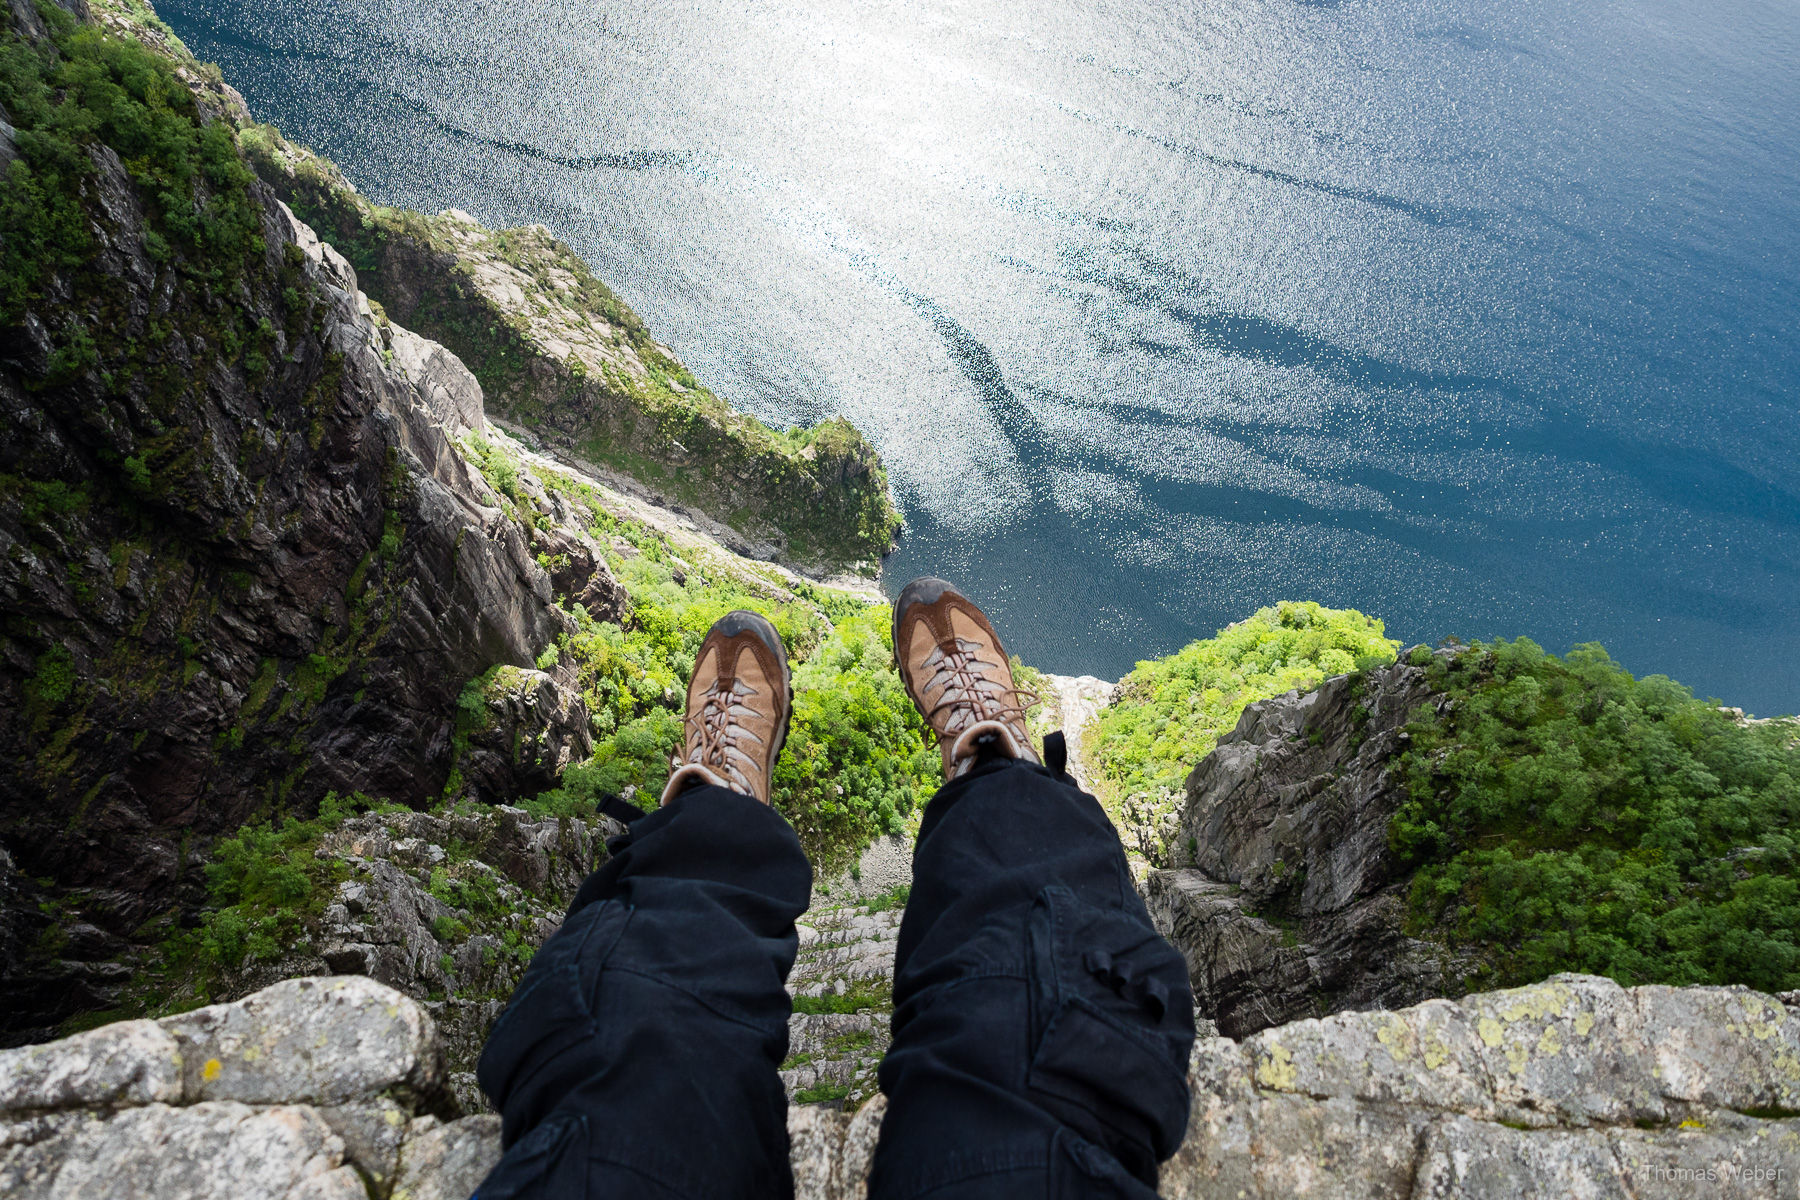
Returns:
point(639, 1054)
point(1041, 1026)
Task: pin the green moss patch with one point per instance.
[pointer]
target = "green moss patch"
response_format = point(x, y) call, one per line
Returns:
point(1170, 713)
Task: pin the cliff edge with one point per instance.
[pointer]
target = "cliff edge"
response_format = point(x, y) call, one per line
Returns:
point(321, 1089)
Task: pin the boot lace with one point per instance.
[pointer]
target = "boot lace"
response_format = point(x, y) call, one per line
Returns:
point(969, 695)
point(714, 731)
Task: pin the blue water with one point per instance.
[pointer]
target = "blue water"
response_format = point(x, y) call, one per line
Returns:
point(1479, 318)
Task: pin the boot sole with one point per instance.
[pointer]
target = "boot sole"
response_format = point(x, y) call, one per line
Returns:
point(927, 589)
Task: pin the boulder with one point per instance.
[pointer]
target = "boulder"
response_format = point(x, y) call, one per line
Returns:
point(218, 1149)
point(1570, 1087)
point(323, 1041)
point(447, 1162)
point(131, 1063)
point(1278, 884)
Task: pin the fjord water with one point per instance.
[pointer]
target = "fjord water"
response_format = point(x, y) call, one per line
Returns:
point(1480, 318)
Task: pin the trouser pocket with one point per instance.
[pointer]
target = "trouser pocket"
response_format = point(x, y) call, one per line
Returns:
point(544, 1041)
point(1112, 1026)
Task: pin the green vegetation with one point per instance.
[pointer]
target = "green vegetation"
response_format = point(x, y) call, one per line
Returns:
point(822, 1092)
point(267, 887)
point(85, 88)
point(1169, 713)
point(859, 994)
point(891, 900)
point(266, 891)
point(1564, 816)
point(859, 759)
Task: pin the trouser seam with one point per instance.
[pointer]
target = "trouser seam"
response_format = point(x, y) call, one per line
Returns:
point(699, 999)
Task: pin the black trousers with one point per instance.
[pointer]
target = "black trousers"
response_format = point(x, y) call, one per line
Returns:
point(1041, 1026)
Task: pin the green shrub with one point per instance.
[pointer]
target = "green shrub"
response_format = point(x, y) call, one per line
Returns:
point(266, 881)
point(1564, 816)
point(889, 900)
point(859, 759)
point(1169, 713)
point(84, 87)
point(859, 994)
point(822, 1092)
point(53, 679)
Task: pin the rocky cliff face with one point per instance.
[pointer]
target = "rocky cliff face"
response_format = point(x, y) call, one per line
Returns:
point(569, 365)
point(1574, 1087)
point(1287, 902)
point(243, 563)
point(447, 910)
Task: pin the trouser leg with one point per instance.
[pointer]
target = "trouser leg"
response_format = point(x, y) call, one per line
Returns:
point(639, 1054)
point(1041, 1026)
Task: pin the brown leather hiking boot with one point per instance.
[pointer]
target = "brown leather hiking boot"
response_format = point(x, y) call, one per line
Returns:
point(957, 672)
point(738, 702)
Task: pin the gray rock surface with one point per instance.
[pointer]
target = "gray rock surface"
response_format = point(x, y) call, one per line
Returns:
point(832, 1151)
point(1281, 890)
point(287, 1094)
point(222, 1149)
point(1573, 1087)
point(880, 871)
point(844, 951)
point(537, 725)
point(447, 1162)
point(321, 1041)
point(274, 575)
point(133, 1062)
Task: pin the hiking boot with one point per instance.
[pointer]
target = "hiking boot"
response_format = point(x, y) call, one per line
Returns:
point(738, 702)
point(958, 674)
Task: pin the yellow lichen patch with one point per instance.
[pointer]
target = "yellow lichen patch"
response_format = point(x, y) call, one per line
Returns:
point(1765, 1020)
point(1437, 1053)
point(1516, 1058)
point(1395, 1035)
point(251, 1054)
point(1492, 1032)
point(1584, 1021)
point(1536, 1003)
point(1275, 1069)
point(1551, 1042)
point(211, 1070)
point(1691, 1123)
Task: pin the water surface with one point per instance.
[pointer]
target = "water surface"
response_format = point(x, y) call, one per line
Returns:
point(1479, 318)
